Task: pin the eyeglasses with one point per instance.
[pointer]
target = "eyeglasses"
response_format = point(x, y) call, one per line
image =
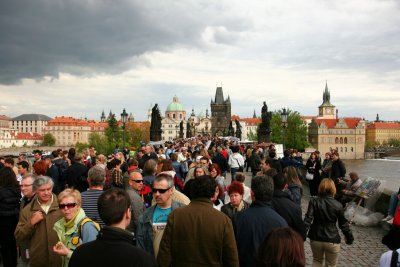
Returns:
point(137, 181)
point(67, 205)
point(160, 190)
point(25, 185)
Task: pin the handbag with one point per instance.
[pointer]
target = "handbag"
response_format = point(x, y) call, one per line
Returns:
point(241, 169)
point(310, 176)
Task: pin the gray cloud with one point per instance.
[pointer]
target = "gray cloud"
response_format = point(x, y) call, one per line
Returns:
point(46, 37)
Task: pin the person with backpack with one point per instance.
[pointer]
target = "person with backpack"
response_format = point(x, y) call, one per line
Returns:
point(75, 228)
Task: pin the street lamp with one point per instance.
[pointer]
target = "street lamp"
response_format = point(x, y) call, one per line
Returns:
point(284, 123)
point(124, 118)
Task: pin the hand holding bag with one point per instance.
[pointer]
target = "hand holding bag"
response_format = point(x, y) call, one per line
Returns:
point(310, 176)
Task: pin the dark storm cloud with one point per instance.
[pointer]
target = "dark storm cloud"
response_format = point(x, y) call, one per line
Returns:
point(45, 37)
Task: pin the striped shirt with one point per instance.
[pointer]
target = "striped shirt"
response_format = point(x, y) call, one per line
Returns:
point(89, 205)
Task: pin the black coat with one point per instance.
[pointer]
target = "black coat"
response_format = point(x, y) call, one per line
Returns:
point(338, 170)
point(9, 201)
point(314, 167)
point(113, 247)
point(221, 162)
point(229, 210)
point(251, 227)
point(322, 215)
point(290, 211)
point(76, 175)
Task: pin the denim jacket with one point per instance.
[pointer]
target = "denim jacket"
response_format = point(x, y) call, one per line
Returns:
point(144, 231)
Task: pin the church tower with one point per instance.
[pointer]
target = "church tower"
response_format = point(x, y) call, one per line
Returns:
point(326, 109)
point(220, 113)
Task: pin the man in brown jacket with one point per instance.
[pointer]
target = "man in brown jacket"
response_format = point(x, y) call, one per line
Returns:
point(198, 234)
point(36, 223)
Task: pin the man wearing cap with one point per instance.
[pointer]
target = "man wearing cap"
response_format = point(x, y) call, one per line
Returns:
point(53, 172)
point(152, 222)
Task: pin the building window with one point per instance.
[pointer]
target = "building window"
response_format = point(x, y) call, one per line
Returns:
point(337, 140)
point(345, 141)
point(341, 149)
point(341, 140)
point(352, 150)
point(173, 116)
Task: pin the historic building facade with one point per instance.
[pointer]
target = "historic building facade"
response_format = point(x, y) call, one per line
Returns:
point(248, 126)
point(29, 123)
point(68, 131)
point(220, 113)
point(380, 132)
point(175, 114)
point(327, 131)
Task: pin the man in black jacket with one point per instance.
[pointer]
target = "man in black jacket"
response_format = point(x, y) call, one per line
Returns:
point(76, 174)
point(284, 206)
point(338, 171)
point(114, 245)
point(253, 224)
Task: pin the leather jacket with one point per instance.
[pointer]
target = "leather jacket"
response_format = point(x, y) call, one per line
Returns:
point(321, 217)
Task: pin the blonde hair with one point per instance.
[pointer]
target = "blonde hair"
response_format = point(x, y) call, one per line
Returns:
point(70, 192)
point(327, 187)
point(102, 159)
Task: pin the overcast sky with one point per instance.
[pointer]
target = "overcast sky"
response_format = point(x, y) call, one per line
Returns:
point(80, 57)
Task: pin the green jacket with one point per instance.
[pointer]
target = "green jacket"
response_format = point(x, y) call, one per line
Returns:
point(72, 238)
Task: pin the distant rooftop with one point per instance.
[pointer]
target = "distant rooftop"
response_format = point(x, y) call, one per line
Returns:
point(31, 117)
point(4, 118)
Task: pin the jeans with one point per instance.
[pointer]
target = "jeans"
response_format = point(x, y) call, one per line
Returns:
point(394, 200)
point(321, 250)
point(233, 173)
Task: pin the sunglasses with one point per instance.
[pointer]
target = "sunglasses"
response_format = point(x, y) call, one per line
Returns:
point(68, 205)
point(160, 190)
point(137, 181)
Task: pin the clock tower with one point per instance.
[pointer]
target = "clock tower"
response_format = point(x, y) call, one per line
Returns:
point(326, 109)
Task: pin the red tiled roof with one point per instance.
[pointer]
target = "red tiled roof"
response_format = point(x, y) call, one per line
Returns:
point(26, 136)
point(70, 121)
point(247, 120)
point(384, 125)
point(331, 123)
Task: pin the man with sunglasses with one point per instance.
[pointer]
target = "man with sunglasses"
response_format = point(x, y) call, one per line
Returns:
point(137, 203)
point(36, 223)
point(152, 222)
point(198, 234)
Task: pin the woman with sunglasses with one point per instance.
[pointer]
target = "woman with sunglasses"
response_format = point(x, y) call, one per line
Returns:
point(74, 228)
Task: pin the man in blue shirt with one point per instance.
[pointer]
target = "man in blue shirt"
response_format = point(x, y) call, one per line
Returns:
point(152, 222)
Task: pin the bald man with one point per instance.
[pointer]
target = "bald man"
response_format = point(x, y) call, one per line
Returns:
point(137, 204)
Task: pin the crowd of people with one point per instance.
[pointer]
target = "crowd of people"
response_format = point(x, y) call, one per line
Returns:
point(173, 205)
